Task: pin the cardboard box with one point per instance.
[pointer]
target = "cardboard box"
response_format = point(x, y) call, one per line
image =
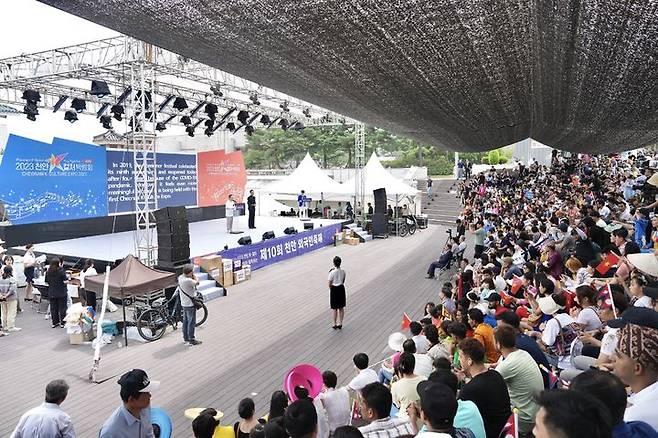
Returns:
point(352, 241)
point(208, 263)
point(338, 238)
point(216, 274)
point(239, 276)
point(227, 272)
point(237, 265)
point(81, 338)
point(247, 271)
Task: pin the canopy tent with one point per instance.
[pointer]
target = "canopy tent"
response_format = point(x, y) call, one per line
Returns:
point(376, 177)
point(131, 277)
point(310, 178)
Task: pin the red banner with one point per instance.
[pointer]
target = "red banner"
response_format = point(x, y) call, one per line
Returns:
point(218, 175)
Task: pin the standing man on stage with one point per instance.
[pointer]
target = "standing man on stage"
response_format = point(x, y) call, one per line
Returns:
point(301, 203)
point(251, 204)
point(230, 212)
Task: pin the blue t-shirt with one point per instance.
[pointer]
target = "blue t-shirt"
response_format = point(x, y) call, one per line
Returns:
point(526, 343)
point(468, 416)
point(641, 231)
point(634, 429)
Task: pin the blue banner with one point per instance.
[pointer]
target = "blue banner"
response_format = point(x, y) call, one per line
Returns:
point(261, 254)
point(176, 176)
point(44, 182)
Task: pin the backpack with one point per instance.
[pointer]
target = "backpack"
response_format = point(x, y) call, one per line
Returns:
point(565, 338)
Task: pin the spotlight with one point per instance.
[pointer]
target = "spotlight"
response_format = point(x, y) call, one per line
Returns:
point(100, 89)
point(79, 105)
point(190, 130)
point(209, 123)
point(216, 90)
point(160, 126)
point(31, 110)
point(117, 111)
point(230, 126)
point(249, 129)
point(180, 104)
point(211, 110)
point(165, 102)
point(59, 103)
point(185, 120)
point(268, 235)
point(307, 112)
point(290, 230)
point(71, 116)
point(254, 98)
point(246, 240)
point(265, 119)
point(284, 106)
point(242, 117)
point(284, 124)
point(209, 131)
point(298, 126)
point(31, 95)
point(106, 121)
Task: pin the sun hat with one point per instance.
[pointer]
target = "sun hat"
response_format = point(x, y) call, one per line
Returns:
point(645, 262)
point(548, 306)
point(395, 341)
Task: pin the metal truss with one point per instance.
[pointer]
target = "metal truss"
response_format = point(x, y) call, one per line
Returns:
point(359, 163)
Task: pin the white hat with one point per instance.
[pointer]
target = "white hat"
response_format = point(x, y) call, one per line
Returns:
point(645, 262)
point(395, 341)
point(548, 306)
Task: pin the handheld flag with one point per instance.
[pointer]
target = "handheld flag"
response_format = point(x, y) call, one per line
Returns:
point(608, 262)
point(516, 284)
point(406, 321)
point(605, 299)
point(511, 428)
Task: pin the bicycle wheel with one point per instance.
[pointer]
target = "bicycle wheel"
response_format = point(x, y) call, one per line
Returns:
point(201, 315)
point(151, 325)
point(412, 229)
point(403, 230)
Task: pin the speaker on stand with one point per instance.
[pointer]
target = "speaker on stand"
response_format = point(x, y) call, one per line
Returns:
point(173, 236)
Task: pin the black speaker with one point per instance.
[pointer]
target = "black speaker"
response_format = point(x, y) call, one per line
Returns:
point(379, 224)
point(246, 240)
point(308, 225)
point(173, 253)
point(268, 235)
point(170, 213)
point(179, 226)
point(380, 200)
point(169, 239)
point(290, 230)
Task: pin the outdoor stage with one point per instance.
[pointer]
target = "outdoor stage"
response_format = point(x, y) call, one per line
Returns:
point(206, 237)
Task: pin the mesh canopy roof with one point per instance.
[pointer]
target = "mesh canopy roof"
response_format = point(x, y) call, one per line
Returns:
point(458, 74)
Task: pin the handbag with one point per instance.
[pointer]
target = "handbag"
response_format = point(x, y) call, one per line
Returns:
point(197, 300)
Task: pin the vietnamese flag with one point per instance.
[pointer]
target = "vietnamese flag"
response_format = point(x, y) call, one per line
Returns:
point(517, 283)
point(608, 262)
point(406, 321)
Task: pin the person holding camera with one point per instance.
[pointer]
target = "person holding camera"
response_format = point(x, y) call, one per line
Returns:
point(187, 283)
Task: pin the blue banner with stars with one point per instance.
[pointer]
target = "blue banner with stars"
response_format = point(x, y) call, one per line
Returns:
point(44, 182)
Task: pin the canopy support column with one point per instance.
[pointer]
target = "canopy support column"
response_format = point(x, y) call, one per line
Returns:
point(359, 163)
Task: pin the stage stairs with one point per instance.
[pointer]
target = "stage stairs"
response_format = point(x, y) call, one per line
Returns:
point(207, 286)
point(359, 232)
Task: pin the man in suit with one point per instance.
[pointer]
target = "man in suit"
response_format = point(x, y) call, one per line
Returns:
point(251, 204)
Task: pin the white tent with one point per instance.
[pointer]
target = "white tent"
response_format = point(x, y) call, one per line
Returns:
point(376, 177)
point(310, 178)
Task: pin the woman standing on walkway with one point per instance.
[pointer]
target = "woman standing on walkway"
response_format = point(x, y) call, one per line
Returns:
point(337, 293)
point(57, 292)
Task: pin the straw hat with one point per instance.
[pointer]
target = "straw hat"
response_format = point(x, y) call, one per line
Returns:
point(653, 180)
point(395, 341)
point(645, 262)
point(548, 306)
point(192, 413)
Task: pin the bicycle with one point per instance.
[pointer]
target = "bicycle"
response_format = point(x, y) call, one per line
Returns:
point(408, 226)
point(152, 321)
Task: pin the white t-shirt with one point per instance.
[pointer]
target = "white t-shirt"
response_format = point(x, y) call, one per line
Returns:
point(337, 276)
point(337, 405)
point(609, 342)
point(421, 343)
point(589, 319)
point(424, 365)
point(643, 301)
point(362, 379)
point(230, 208)
point(29, 259)
point(551, 332)
point(88, 273)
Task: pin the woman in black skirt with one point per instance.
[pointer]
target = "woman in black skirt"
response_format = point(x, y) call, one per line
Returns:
point(337, 293)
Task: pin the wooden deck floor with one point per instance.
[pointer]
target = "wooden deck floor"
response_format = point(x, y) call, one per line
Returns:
point(253, 336)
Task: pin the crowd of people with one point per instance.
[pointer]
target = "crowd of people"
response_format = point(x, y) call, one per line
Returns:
point(550, 328)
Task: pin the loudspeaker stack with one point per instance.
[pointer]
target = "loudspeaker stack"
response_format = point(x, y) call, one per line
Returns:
point(379, 219)
point(380, 200)
point(173, 236)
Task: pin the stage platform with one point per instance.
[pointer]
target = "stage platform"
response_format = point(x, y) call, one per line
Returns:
point(206, 237)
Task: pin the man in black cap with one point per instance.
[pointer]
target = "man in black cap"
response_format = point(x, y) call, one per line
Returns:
point(494, 300)
point(132, 419)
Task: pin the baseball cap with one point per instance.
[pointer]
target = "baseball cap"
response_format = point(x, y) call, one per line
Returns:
point(641, 316)
point(138, 381)
point(438, 402)
point(494, 297)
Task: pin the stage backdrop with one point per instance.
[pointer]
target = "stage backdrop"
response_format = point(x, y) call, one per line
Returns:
point(42, 182)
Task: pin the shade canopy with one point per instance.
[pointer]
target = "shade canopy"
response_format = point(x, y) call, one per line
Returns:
point(464, 75)
point(377, 177)
point(131, 277)
point(310, 178)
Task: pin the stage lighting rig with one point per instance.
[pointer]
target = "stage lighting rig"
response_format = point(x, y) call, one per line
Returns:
point(180, 104)
point(117, 111)
point(249, 130)
point(99, 89)
point(265, 119)
point(185, 120)
point(190, 130)
point(211, 110)
point(284, 106)
point(79, 105)
point(71, 116)
point(242, 117)
point(59, 103)
point(30, 109)
point(216, 90)
point(230, 126)
point(254, 98)
point(160, 126)
point(297, 126)
point(106, 121)
point(284, 124)
point(307, 112)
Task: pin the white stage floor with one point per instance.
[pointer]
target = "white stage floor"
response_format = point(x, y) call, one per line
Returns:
point(206, 237)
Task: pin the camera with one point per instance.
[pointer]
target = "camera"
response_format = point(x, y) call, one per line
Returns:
point(449, 231)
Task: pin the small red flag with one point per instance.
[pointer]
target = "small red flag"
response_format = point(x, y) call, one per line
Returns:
point(517, 283)
point(406, 321)
point(608, 262)
point(511, 429)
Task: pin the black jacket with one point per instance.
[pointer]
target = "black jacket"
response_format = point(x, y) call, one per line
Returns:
point(56, 286)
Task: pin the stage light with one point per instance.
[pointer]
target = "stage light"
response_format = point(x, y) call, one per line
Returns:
point(30, 108)
point(307, 112)
point(209, 123)
point(283, 123)
point(246, 240)
point(79, 105)
point(243, 116)
point(298, 126)
point(106, 121)
point(230, 126)
point(71, 116)
point(31, 95)
point(117, 111)
point(185, 120)
point(100, 89)
point(216, 90)
point(265, 119)
point(284, 106)
point(254, 98)
point(209, 131)
point(160, 126)
point(268, 235)
point(249, 130)
point(290, 230)
point(180, 104)
point(190, 130)
point(211, 110)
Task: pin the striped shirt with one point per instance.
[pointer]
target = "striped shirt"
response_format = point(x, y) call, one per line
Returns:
point(387, 428)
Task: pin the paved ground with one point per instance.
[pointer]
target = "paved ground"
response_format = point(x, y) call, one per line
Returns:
point(265, 326)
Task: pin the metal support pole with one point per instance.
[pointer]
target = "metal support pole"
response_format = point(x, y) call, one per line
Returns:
point(456, 166)
point(359, 163)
